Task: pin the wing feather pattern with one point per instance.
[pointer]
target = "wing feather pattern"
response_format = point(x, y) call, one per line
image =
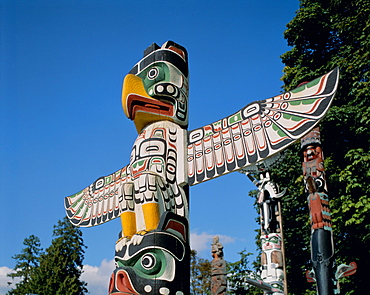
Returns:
point(259, 131)
point(99, 202)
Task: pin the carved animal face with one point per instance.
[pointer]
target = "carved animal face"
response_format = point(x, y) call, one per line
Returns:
point(271, 242)
point(158, 265)
point(156, 88)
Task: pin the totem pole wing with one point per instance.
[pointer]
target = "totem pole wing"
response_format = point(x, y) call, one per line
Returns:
point(259, 131)
point(98, 203)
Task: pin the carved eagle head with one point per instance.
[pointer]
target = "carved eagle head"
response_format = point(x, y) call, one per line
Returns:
point(156, 88)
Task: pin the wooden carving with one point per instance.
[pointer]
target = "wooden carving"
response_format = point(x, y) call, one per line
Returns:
point(150, 194)
point(322, 245)
point(272, 256)
point(218, 269)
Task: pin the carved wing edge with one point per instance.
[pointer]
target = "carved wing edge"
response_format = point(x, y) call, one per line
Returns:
point(98, 203)
point(259, 131)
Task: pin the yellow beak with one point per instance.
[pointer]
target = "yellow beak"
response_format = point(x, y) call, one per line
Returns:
point(140, 107)
point(132, 85)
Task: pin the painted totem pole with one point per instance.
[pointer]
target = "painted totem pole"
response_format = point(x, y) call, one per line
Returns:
point(218, 269)
point(150, 194)
point(322, 245)
point(272, 259)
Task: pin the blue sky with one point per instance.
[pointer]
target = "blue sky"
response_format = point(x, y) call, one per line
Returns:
point(61, 122)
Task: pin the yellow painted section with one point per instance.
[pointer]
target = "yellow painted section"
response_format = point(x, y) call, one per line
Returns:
point(151, 216)
point(132, 84)
point(128, 221)
point(143, 119)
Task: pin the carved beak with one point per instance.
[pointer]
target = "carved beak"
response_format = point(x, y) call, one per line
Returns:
point(140, 107)
point(120, 283)
point(132, 85)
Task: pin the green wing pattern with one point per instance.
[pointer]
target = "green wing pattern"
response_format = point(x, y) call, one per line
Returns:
point(259, 131)
point(99, 202)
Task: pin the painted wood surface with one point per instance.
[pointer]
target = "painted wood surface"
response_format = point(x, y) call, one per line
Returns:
point(150, 194)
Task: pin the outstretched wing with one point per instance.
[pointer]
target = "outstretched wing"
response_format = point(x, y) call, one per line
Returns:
point(259, 131)
point(98, 203)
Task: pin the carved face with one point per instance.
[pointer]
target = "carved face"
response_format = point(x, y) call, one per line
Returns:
point(271, 242)
point(156, 88)
point(144, 268)
point(158, 265)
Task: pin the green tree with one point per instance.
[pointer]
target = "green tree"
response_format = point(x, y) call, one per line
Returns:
point(237, 271)
point(61, 266)
point(200, 275)
point(325, 34)
point(26, 264)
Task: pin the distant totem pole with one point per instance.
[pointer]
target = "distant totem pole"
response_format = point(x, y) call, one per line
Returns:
point(272, 242)
point(150, 194)
point(218, 269)
point(322, 245)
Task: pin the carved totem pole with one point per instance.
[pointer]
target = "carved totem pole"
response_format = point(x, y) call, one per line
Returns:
point(218, 269)
point(150, 194)
point(322, 245)
point(272, 242)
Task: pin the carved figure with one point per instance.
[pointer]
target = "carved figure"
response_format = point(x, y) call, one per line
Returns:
point(268, 199)
point(322, 245)
point(150, 194)
point(158, 264)
point(218, 269)
point(272, 260)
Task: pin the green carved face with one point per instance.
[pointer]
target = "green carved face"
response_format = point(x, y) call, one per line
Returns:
point(159, 73)
point(153, 75)
point(152, 263)
point(156, 89)
point(271, 241)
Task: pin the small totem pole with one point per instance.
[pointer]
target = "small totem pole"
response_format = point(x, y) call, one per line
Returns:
point(322, 246)
point(218, 269)
point(272, 259)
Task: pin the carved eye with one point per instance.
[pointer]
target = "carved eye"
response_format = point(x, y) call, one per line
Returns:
point(153, 73)
point(148, 261)
point(151, 264)
point(274, 240)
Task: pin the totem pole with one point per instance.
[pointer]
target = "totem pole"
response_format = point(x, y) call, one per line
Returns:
point(218, 269)
point(322, 246)
point(150, 194)
point(272, 242)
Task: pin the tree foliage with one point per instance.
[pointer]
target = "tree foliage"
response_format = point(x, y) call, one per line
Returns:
point(237, 271)
point(26, 264)
point(55, 272)
point(200, 275)
point(326, 34)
